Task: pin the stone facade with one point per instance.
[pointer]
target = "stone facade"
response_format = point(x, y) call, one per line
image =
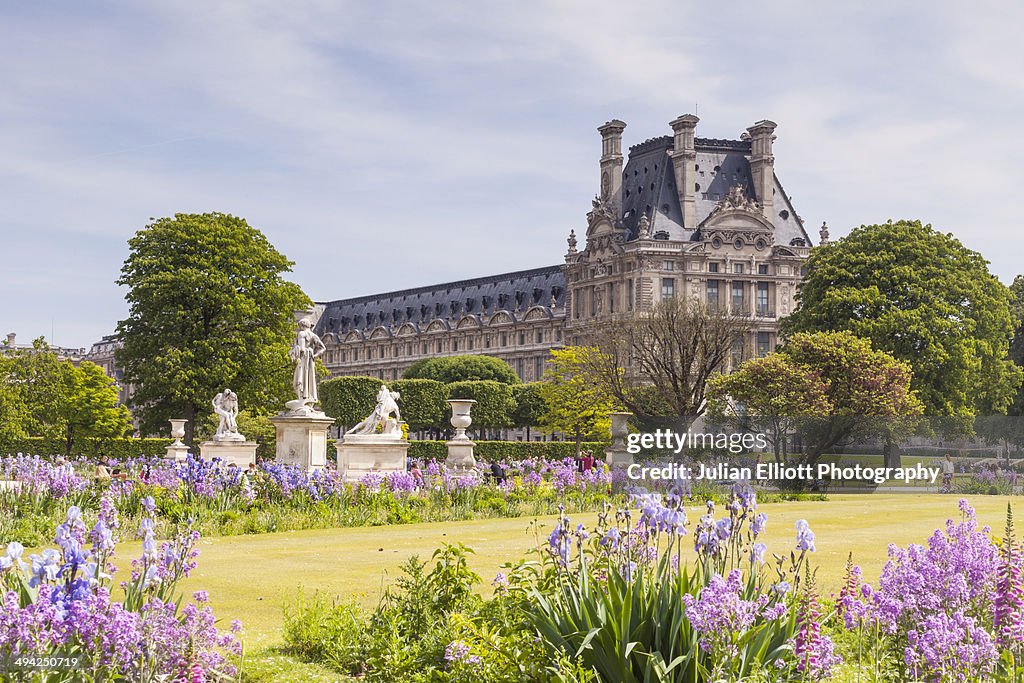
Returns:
point(684, 216)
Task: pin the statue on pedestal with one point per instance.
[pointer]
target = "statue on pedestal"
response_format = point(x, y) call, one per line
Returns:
point(387, 406)
point(225, 404)
point(306, 349)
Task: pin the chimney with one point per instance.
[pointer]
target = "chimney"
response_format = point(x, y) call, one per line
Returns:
point(762, 164)
point(11, 336)
point(611, 161)
point(684, 163)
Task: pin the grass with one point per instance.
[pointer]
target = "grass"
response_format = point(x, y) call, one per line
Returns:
point(252, 578)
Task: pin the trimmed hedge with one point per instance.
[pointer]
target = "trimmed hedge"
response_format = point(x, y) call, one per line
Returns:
point(507, 450)
point(90, 448)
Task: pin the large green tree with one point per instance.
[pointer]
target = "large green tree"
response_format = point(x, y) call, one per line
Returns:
point(575, 405)
point(44, 396)
point(209, 308)
point(925, 298)
point(450, 369)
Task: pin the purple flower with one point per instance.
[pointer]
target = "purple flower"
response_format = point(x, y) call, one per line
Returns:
point(804, 536)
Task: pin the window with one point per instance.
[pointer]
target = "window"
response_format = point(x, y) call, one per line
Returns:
point(538, 367)
point(668, 265)
point(611, 297)
point(762, 269)
point(440, 347)
point(522, 338)
point(487, 341)
point(469, 344)
point(629, 294)
point(455, 345)
point(737, 268)
point(577, 304)
point(762, 298)
point(504, 339)
point(737, 298)
point(519, 367)
point(558, 335)
point(668, 287)
point(763, 344)
point(424, 352)
point(712, 267)
point(712, 293)
point(593, 301)
point(540, 337)
point(737, 354)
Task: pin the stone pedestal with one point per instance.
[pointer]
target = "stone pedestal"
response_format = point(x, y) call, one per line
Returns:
point(361, 454)
point(460, 455)
point(302, 439)
point(240, 453)
point(177, 452)
point(616, 454)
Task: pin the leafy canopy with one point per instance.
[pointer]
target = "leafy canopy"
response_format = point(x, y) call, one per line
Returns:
point(44, 396)
point(574, 404)
point(208, 309)
point(925, 298)
point(450, 369)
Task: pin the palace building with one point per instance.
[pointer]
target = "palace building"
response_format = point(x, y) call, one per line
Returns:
point(682, 216)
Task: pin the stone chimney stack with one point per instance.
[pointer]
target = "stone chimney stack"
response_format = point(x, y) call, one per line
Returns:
point(11, 336)
point(762, 164)
point(611, 161)
point(684, 163)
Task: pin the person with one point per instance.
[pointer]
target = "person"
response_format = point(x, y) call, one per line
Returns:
point(416, 473)
point(497, 473)
point(579, 461)
point(588, 461)
point(948, 468)
point(252, 469)
point(102, 474)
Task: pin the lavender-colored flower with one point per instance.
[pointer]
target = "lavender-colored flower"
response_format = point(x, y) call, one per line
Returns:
point(757, 552)
point(758, 524)
point(804, 536)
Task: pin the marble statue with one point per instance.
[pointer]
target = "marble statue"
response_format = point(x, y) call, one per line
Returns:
point(644, 227)
point(225, 404)
point(306, 349)
point(385, 415)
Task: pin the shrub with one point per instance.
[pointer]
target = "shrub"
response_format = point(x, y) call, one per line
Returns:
point(349, 399)
point(449, 369)
point(506, 450)
point(120, 449)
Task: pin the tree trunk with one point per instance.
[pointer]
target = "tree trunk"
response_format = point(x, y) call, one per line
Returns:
point(891, 454)
point(190, 426)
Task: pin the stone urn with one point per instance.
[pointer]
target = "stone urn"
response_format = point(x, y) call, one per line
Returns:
point(177, 450)
point(616, 454)
point(178, 431)
point(460, 417)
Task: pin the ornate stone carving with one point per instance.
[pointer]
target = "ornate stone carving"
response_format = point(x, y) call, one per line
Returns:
point(823, 234)
point(306, 349)
point(225, 404)
point(601, 209)
point(385, 415)
point(644, 227)
point(572, 241)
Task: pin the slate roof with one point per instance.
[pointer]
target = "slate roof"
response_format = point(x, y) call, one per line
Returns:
point(649, 185)
point(518, 290)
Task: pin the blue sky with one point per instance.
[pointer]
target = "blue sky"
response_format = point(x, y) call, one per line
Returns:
point(393, 144)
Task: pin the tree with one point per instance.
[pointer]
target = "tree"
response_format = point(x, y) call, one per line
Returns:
point(494, 403)
point(450, 369)
point(575, 405)
point(208, 309)
point(769, 396)
point(868, 392)
point(349, 399)
point(662, 359)
point(530, 406)
point(424, 403)
point(90, 407)
point(44, 396)
point(923, 297)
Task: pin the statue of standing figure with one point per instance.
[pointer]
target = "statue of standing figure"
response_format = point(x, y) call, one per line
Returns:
point(306, 349)
point(225, 404)
point(385, 415)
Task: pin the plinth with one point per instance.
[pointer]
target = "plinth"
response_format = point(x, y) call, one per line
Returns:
point(302, 439)
point(361, 454)
point(240, 453)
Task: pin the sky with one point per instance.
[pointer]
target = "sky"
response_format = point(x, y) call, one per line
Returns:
point(383, 145)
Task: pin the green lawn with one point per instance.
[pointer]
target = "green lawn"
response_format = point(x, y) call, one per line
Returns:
point(252, 577)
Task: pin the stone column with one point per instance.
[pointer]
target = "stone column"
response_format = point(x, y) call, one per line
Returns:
point(684, 160)
point(616, 454)
point(460, 447)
